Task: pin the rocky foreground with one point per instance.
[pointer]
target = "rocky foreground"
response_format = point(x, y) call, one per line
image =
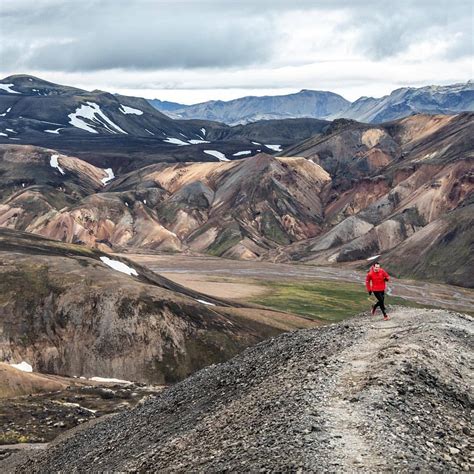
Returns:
point(366, 394)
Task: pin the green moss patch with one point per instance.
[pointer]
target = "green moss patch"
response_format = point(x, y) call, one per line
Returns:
point(321, 300)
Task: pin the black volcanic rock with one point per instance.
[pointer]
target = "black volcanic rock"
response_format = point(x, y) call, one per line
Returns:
point(124, 133)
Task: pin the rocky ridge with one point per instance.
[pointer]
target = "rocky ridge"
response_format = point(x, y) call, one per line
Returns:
point(365, 394)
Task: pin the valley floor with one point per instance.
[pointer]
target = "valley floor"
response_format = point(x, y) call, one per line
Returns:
point(256, 281)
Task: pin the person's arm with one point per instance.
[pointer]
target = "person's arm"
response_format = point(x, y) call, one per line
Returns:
point(368, 279)
point(385, 275)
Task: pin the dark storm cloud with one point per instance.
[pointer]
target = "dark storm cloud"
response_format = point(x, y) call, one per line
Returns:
point(93, 35)
point(97, 35)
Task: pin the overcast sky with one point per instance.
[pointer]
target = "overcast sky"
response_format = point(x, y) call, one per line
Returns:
point(194, 50)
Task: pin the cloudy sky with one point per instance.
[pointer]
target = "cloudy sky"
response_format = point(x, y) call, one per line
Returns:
point(194, 50)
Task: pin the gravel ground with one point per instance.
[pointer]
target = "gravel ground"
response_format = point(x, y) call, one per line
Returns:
point(364, 394)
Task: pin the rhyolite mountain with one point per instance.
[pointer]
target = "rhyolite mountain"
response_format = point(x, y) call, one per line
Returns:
point(237, 209)
point(450, 99)
point(125, 133)
point(402, 190)
point(350, 193)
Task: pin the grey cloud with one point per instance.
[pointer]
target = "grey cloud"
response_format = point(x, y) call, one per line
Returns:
point(95, 35)
point(138, 35)
point(392, 27)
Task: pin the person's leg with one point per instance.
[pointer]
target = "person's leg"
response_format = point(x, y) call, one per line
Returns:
point(380, 301)
point(376, 304)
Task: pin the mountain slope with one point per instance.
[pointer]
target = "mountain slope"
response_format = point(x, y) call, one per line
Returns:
point(235, 209)
point(361, 395)
point(388, 182)
point(441, 251)
point(58, 299)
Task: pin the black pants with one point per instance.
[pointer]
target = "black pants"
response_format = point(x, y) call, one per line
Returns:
point(380, 295)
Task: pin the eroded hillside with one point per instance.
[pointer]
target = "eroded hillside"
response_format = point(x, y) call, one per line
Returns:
point(70, 310)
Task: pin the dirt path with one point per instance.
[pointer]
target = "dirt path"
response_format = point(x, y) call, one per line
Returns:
point(350, 444)
point(355, 441)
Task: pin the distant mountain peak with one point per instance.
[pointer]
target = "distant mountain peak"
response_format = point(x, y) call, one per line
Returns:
point(327, 105)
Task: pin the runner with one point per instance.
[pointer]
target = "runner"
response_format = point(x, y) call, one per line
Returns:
point(375, 283)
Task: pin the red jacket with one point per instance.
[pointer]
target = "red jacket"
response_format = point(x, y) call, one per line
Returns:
point(377, 279)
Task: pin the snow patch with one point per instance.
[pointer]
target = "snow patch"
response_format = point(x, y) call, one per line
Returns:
point(54, 163)
point(373, 258)
point(205, 302)
point(76, 405)
point(146, 130)
point(196, 142)
point(54, 131)
point(119, 266)
point(103, 379)
point(175, 141)
point(23, 366)
point(220, 156)
point(6, 112)
point(3, 134)
point(203, 131)
point(6, 88)
point(256, 143)
point(10, 130)
point(125, 109)
point(110, 176)
point(240, 153)
point(93, 112)
point(274, 147)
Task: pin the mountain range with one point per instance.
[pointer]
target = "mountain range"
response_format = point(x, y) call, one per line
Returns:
point(124, 133)
point(347, 194)
point(307, 190)
point(402, 102)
